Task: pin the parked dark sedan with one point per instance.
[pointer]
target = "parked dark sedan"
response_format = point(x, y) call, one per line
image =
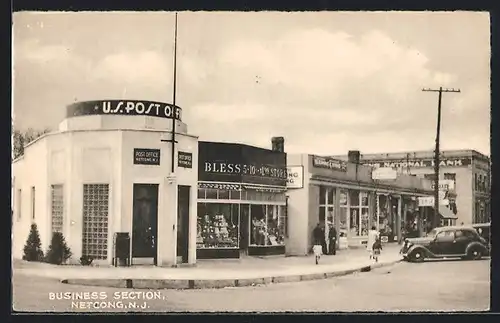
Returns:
point(484, 230)
point(446, 242)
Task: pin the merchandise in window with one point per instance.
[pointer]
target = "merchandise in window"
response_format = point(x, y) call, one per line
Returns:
point(377, 211)
point(276, 232)
point(217, 225)
point(265, 226)
point(364, 221)
point(383, 214)
point(258, 226)
point(354, 222)
point(343, 219)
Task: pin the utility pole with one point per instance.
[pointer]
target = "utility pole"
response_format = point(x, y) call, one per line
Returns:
point(174, 113)
point(437, 152)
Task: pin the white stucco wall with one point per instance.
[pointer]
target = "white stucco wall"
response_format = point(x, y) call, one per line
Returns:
point(298, 210)
point(74, 158)
point(30, 171)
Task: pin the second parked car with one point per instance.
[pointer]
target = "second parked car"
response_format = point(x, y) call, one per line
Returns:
point(446, 242)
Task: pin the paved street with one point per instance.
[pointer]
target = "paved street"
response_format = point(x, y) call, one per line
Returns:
point(431, 286)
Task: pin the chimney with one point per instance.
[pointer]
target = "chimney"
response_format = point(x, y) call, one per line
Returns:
point(278, 144)
point(353, 156)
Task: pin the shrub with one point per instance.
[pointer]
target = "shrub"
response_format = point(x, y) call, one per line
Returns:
point(86, 260)
point(58, 250)
point(33, 247)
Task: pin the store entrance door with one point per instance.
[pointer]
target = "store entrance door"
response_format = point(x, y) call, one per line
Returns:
point(244, 225)
point(183, 223)
point(326, 218)
point(145, 221)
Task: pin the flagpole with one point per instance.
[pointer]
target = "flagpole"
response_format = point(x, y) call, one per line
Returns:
point(174, 115)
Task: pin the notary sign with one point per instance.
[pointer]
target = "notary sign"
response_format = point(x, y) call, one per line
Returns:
point(184, 159)
point(295, 176)
point(144, 156)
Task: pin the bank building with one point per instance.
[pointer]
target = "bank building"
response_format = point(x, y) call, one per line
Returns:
point(132, 170)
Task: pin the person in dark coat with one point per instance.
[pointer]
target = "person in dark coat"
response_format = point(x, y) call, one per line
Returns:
point(319, 237)
point(332, 241)
point(324, 247)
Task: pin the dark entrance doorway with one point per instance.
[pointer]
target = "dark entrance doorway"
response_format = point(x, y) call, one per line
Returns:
point(183, 195)
point(244, 228)
point(145, 221)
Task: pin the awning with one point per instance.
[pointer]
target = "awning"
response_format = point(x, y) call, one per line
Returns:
point(446, 213)
point(220, 186)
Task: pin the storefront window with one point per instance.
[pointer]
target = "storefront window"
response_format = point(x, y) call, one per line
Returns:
point(353, 198)
point(211, 193)
point(267, 227)
point(374, 216)
point(201, 193)
point(275, 227)
point(322, 195)
point(223, 195)
point(364, 221)
point(354, 222)
point(234, 195)
point(217, 225)
point(383, 214)
point(343, 216)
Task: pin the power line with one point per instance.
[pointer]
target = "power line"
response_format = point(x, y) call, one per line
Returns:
point(436, 152)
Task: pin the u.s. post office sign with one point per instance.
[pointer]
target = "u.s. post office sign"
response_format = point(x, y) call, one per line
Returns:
point(295, 177)
point(145, 156)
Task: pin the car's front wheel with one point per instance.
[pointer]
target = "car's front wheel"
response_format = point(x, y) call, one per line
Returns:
point(475, 253)
point(417, 256)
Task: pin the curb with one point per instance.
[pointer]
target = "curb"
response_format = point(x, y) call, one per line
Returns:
point(218, 283)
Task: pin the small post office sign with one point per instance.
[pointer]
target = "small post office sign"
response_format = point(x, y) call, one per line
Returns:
point(145, 156)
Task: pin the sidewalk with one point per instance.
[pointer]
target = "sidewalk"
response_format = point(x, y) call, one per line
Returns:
point(216, 273)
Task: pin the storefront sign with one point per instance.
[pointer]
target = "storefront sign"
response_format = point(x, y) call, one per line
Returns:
point(295, 177)
point(445, 185)
point(384, 173)
point(125, 107)
point(227, 162)
point(144, 156)
point(418, 163)
point(429, 201)
point(329, 163)
point(184, 159)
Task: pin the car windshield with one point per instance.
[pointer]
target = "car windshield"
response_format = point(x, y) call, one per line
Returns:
point(432, 233)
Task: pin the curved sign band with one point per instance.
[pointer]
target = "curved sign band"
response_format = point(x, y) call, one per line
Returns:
point(124, 107)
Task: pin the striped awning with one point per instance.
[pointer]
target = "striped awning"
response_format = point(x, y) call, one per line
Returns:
point(264, 189)
point(220, 186)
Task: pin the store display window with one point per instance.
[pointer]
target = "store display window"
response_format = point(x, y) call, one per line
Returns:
point(344, 208)
point(217, 225)
point(266, 228)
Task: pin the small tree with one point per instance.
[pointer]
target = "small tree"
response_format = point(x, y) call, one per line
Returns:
point(33, 248)
point(58, 251)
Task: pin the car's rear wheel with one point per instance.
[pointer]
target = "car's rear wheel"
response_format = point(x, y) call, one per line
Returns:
point(417, 256)
point(475, 253)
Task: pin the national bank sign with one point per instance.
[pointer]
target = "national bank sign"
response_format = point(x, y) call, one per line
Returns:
point(418, 163)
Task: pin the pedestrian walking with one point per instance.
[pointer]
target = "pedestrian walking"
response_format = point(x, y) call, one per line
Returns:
point(319, 237)
point(377, 248)
point(332, 241)
point(373, 236)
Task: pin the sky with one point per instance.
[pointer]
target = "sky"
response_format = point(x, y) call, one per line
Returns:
point(328, 82)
